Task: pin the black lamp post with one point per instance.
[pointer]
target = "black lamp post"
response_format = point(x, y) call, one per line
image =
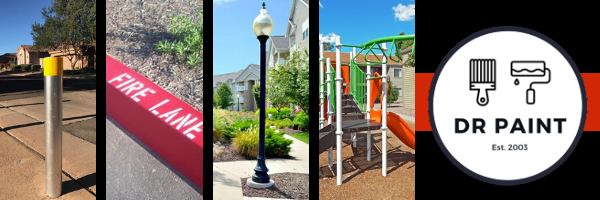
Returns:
point(263, 25)
point(238, 96)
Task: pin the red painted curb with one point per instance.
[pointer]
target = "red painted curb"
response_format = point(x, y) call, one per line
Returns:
point(167, 125)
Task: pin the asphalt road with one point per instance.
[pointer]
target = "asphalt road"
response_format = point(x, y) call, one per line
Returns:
point(133, 171)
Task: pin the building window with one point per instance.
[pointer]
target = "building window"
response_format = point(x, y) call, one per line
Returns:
point(305, 34)
point(397, 72)
point(399, 91)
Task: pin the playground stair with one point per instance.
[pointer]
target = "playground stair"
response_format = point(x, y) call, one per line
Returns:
point(353, 120)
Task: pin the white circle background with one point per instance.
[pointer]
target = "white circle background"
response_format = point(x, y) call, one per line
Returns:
point(561, 98)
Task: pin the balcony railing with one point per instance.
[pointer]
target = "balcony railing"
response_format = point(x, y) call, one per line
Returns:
point(240, 88)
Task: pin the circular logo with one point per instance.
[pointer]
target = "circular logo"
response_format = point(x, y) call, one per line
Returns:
point(507, 105)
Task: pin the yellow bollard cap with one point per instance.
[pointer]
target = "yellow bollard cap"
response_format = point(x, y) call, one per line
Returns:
point(53, 66)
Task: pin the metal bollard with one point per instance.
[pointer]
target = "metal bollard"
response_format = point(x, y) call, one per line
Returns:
point(53, 71)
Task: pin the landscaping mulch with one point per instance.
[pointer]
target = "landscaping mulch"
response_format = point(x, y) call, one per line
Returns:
point(133, 27)
point(222, 152)
point(287, 186)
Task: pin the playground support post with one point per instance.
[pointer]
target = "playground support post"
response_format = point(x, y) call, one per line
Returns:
point(338, 118)
point(53, 91)
point(322, 113)
point(384, 112)
point(329, 107)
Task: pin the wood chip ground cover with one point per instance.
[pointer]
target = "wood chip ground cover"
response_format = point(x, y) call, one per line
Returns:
point(132, 30)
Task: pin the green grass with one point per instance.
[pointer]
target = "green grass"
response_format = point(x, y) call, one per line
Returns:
point(301, 136)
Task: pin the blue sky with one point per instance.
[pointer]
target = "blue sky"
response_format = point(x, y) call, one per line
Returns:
point(16, 24)
point(357, 22)
point(234, 44)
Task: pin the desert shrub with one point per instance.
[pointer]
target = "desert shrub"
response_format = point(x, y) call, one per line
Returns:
point(26, 67)
point(15, 67)
point(284, 113)
point(301, 121)
point(36, 67)
point(276, 145)
point(246, 142)
point(285, 123)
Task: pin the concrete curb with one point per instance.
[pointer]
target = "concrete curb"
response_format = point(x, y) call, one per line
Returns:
point(167, 125)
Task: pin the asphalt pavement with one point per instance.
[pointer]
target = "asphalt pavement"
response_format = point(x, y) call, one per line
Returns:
point(133, 171)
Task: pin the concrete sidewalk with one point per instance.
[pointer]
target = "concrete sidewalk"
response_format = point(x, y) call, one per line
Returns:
point(22, 120)
point(227, 175)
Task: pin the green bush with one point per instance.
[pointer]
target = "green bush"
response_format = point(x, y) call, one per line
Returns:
point(36, 67)
point(15, 67)
point(246, 142)
point(26, 67)
point(301, 121)
point(285, 123)
point(284, 113)
point(276, 145)
point(243, 125)
point(243, 110)
point(272, 111)
point(257, 112)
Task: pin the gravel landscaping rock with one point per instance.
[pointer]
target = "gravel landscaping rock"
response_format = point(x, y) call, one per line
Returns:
point(133, 27)
point(287, 186)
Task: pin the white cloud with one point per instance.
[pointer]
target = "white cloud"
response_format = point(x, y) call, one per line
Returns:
point(320, 4)
point(221, 1)
point(404, 13)
point(327, 38)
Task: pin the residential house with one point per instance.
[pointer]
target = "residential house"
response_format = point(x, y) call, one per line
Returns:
point(8, 58)
point(26, 55)
point(240, 82)
point(89, 59)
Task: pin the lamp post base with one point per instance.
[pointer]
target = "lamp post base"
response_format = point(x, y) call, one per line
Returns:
point(256, 185)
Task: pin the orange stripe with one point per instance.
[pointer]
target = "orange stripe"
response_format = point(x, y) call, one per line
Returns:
point(592, 87)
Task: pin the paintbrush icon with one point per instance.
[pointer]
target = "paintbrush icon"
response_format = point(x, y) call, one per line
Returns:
point(483, 78)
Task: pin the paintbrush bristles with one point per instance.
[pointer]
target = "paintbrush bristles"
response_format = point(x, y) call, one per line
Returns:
point(483, 71)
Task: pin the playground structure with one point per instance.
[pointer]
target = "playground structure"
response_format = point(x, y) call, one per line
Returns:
point(357, 99)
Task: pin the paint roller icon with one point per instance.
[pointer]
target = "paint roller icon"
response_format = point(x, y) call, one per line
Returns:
point(529, 69)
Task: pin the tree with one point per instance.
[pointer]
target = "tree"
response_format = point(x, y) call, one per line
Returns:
point(402, 45)
point(276, 96)
point(327, 46)
point(224, 96)
point(69, 27)
point(256, 94)
point(215, 99)
point(393, 94)
point(293, 79)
